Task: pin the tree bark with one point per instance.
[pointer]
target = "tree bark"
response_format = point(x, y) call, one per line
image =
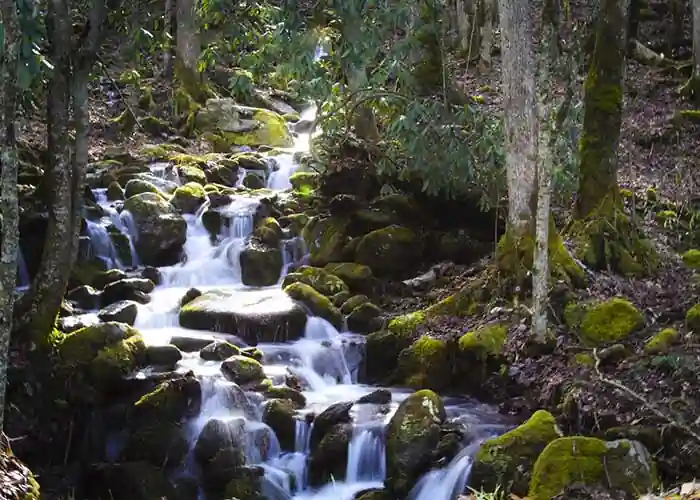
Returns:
point(168, 34)
point(692, 88)
point(603, 111)
point(9, 212)
point(188, 48)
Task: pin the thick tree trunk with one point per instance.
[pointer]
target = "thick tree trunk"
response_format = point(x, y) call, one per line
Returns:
point(9, 213)
point(603, 110)
point(188, 48)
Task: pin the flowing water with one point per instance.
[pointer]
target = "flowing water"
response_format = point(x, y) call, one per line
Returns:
point(324, 360)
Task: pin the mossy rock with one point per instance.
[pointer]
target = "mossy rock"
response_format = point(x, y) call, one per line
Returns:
point(279, 414)
point(390, 250)
point(260, 264)
point(318, 304)
point(358, 277)
point(365, 318)
point(609, 321)
point(109, 351)
point(172, 401)
point(352, 302)
point(269, 232)
point(189, 197)
point(296, 222)
point(411, 436)
point(425, 365)
point(297, 399)
point(322, 281)
point(326, 239)
point(247, 484)
point(691, 258)
point(223, 175)
point(508, 459)
point(329, 458)
point(243, 370)
point(192, 173)
point(484, 342)
point(304, 181)
point(692, 319)
point(138, 186)
point(662, 341)
point(160, 443)
point(115, 191)
point(618, 465)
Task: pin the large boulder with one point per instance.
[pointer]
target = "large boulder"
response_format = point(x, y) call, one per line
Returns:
point(189, 198)
point(618, 465)
point(279, 414)
point(392, 250)
point(243, 370)
point(326, 239)
point(508, 459)
point(261, 265)
point(412, 435)
point(425, 364)
point(328, 460)
point(161, 230)
point(242, 125)
point(605, 322)
point(254, 315)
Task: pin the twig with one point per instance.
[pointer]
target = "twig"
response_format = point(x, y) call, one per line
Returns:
point(119, 91)
point(649, 405)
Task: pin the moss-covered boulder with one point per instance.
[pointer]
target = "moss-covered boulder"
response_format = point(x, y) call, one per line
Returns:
point(138, 186)
point(269, 232)
point(192, 173)
point(115, 192)
point(329, 458)
point(382, 348)
point(172, 401)
point(412, 434)
point(16, 480)
point(318, 304)
point(365, 318)
point(260, 264)
point(605, 322)
point(109, 351)
point(425, 364)
point(692, 319)
point(279, 414)
point(357, 276)
point(508, 459)
point(134, 289)
point(324, 282)
point(619, 465)
point(326, 239)
point(161, 230)
point(662, 341)
point(189, 198)
point(164, 356)
point(295, 397)
point(219, 350)
point(390, 251)
point(243, 370)
point(691, 258)
point(255, 316)
point(304, 181)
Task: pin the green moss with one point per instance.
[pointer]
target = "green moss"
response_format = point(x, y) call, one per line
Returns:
point(322, 281)
point(390, 250)
point(357, 276)
point(297, 222)
point(661, 342)
point(353, 302)
point(272, 132)
point(627, 193)
point(130, 77)
point(192, 173)
point(584, 359)
point(126, 121)
point(138, 186)
point(118, 360)
point(425, 364)
point(319, 304)
point(692, 319)
point(406, 323)
point(691, 258)
point(666, 215)
point(302, 181)
point(515, 258)
point(484, 341)
point(617, 465)
point(189, 197)
point(610, 321)
point(326, 239)
point(508, 459)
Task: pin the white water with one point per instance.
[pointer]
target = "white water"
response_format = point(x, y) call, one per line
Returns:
point(320, 360)
point(102, 246)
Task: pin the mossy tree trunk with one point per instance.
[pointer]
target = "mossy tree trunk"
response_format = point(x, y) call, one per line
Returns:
point(37, 310)
point(606, 237)
point(9, 213)
point(188, 47)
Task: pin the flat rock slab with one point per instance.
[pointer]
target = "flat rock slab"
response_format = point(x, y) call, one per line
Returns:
point(255, 316)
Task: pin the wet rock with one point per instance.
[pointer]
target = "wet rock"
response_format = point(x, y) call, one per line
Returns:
point(377, 397)
point(318, 304)
point(212, 222)
point(85, 297)
point(337, 413)
point(218, 200)
point(134, 289)
point(246, 484)
point(70, 324)
point(392, 250)
point(279, 414)
point(284, 392)
point(172, 401)
point(253, 181)
point(109, 351)
point(101, 280)
point(217, 434)
point(365, 318)
point(242, 370)
point(159, 443)
point(618, 465)
point(132, 480)
point(138, 186)
point(124, 311)
point(357, 276)
point(412, 434)
point(255, 316)
point(189, 296)
point(509, 458)
point(219, 350)
point(190, 344)
point(162, 232)
point(374, 494)
point(223, 175)
point(340, 298)
point(260, 265)
point(326, 238)
point(330, 456)
point(152, 273)
point(253, 352)
point(166, 356)
point(234, 399)
point(324, 282)
point(188, 198)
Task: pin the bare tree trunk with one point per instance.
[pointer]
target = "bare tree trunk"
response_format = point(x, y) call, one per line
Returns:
point(487, 27)
point(517, 31)
point(169, 37)
point(692, 88)
point(9, 212)
point(188, 48)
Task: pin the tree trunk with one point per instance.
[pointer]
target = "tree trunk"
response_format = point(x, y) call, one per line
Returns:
point(168, 35)
point(605, 236)
point(603, 110)
point(692, 88)
point(188, 48)
point(40, 306)
point(9, 213)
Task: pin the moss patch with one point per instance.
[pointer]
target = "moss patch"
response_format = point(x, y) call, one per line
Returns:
point(425, 364)
point(609, 321)
point(324, 282)
point(691, 258)
point(692, 319)
point(317, 303)
point(662, 341)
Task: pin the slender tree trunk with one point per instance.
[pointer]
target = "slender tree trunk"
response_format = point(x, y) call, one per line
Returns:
point(9, 213)
point(188, 48)
point(520, 120)
point(603, 110)
point(40, 306)
point(169, 37)
point(692, 88)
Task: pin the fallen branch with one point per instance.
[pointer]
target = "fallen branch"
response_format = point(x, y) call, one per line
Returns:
point(648, 57)
point(648, 404)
